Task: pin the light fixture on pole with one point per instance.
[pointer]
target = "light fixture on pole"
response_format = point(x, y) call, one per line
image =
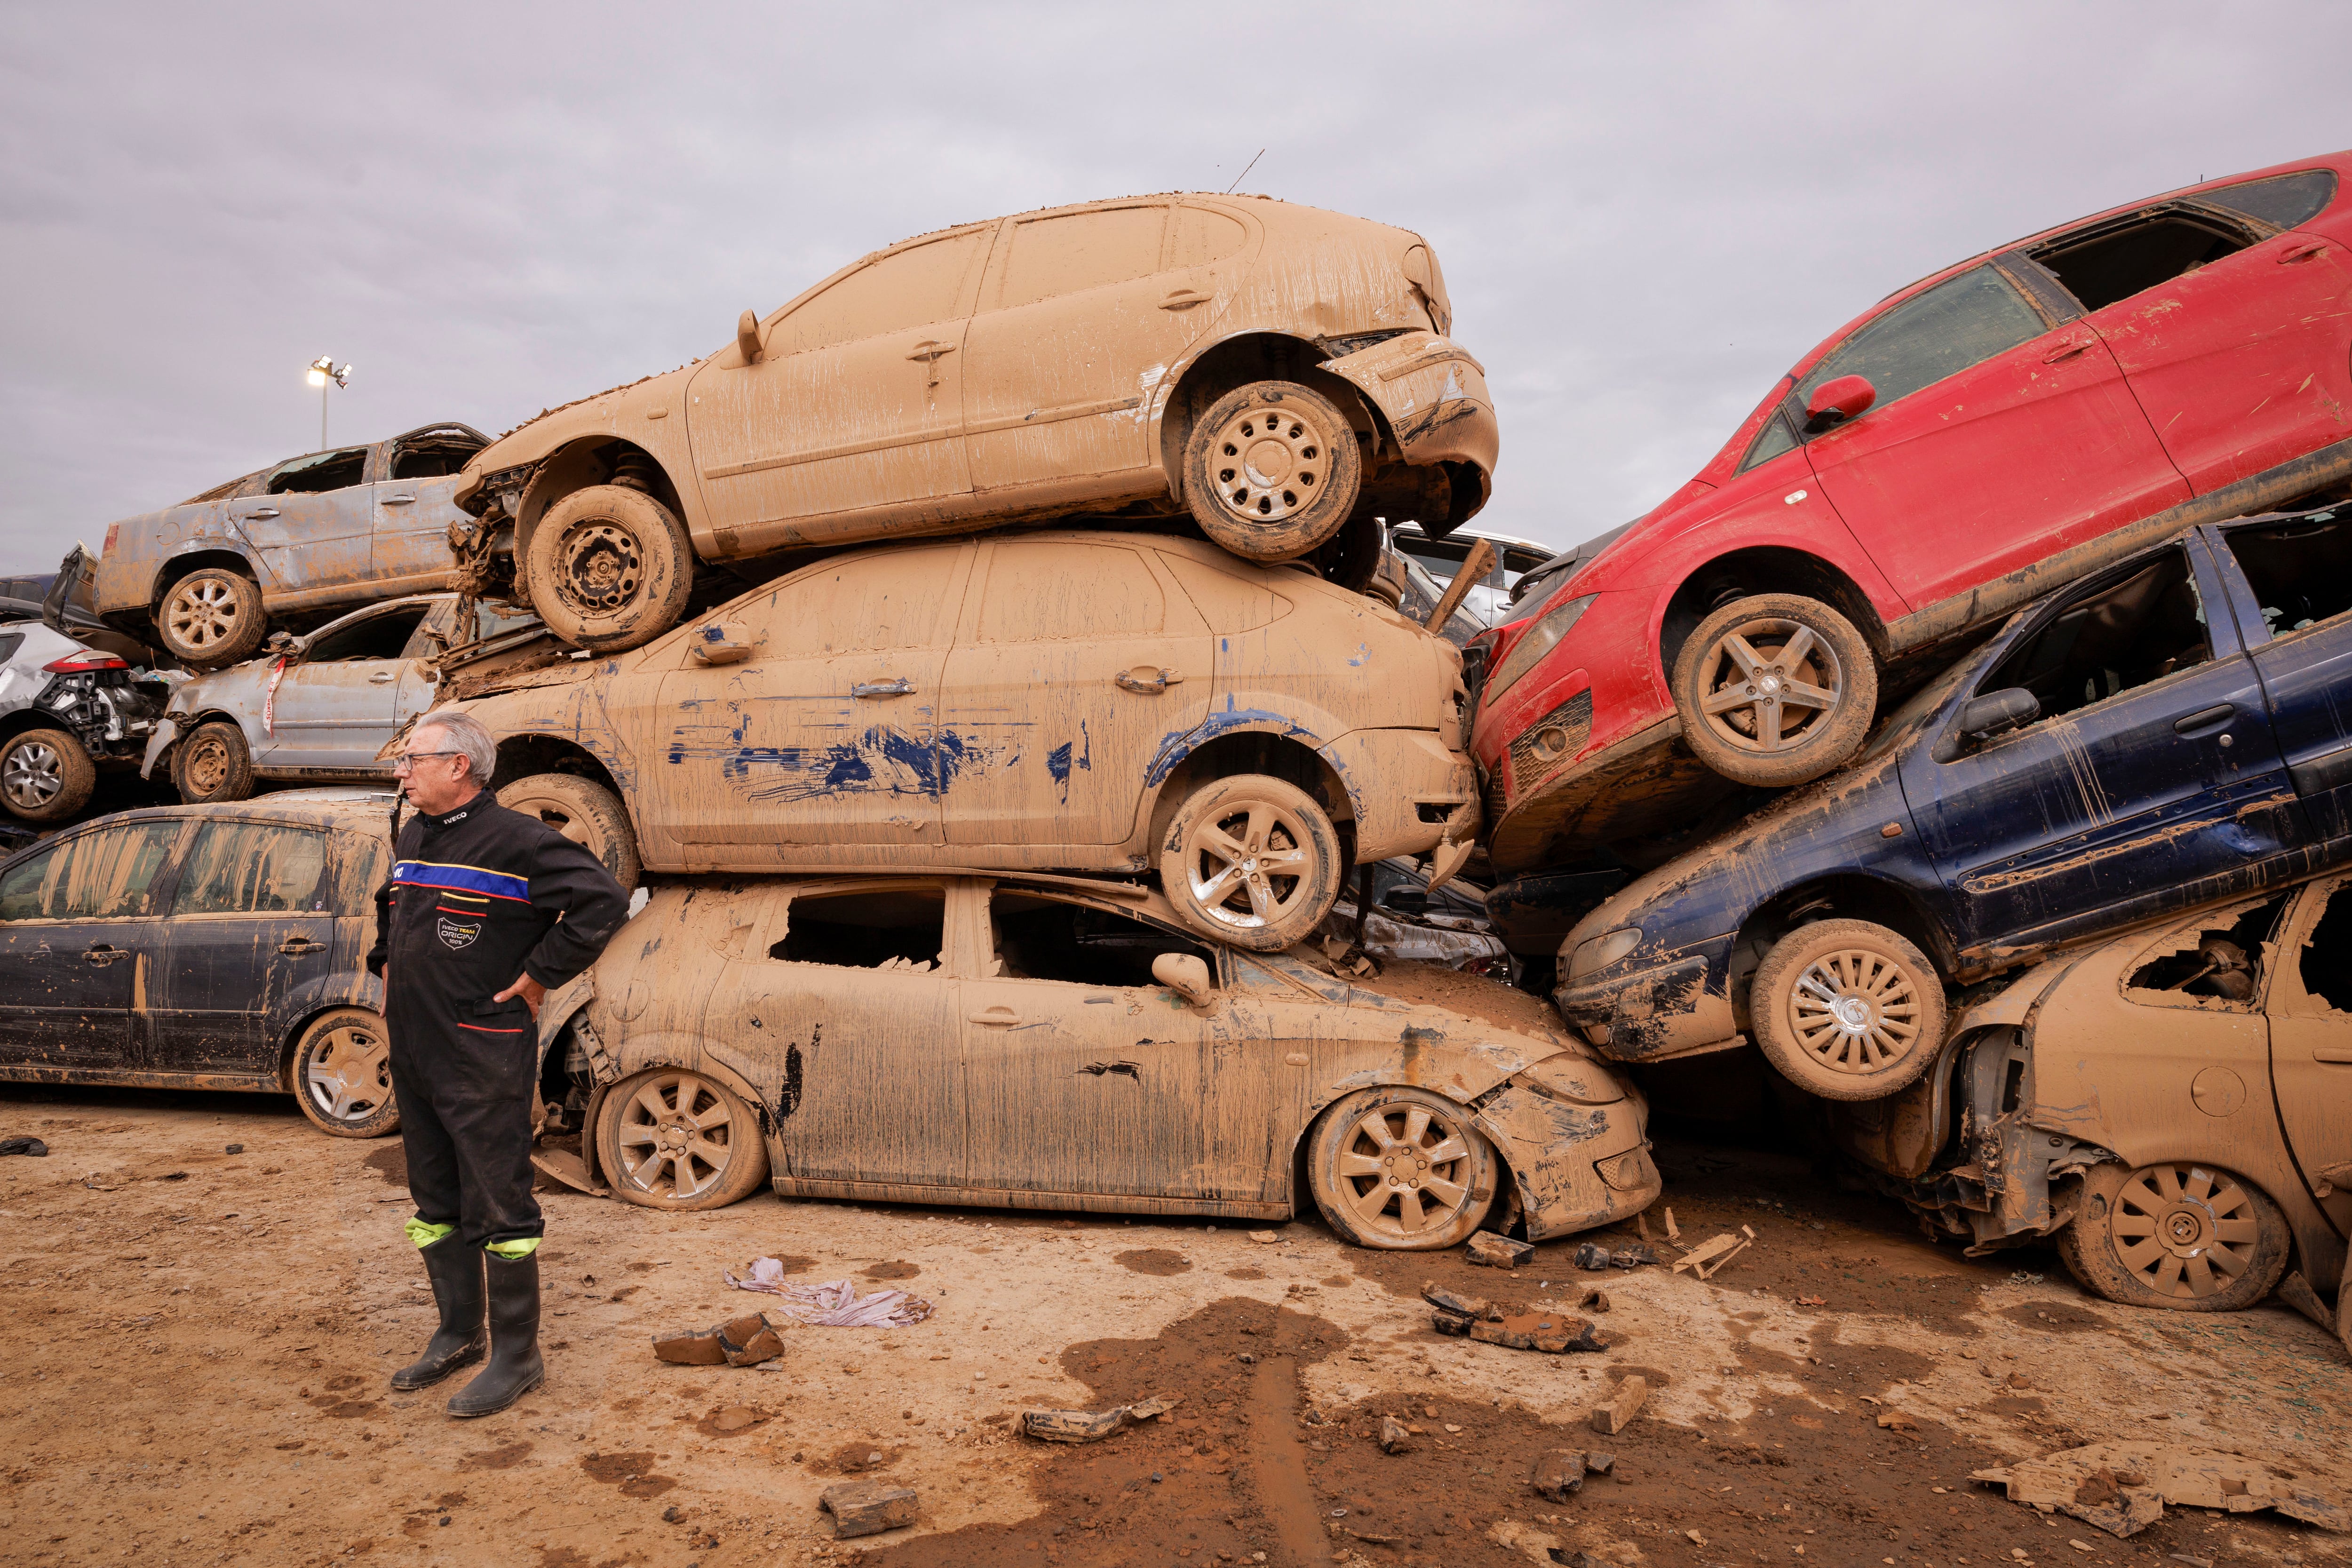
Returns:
point(324, 370)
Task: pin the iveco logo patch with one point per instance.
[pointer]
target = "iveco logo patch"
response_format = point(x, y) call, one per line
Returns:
point(455, 934)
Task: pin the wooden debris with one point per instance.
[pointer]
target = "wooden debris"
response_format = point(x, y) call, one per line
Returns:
point(867, 1508)
point(1553, 1333)
point(1710, 1256)
point(1673, 1232)
point(1613, 1417)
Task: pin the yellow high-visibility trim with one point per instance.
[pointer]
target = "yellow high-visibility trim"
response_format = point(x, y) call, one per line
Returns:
point(425, 1233)
point(513, 1251)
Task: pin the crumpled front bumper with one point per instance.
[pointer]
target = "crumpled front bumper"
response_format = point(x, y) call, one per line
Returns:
point(1679, 1007)
point(167, 732)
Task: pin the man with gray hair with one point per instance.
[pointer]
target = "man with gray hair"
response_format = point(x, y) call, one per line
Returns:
point(486, 910)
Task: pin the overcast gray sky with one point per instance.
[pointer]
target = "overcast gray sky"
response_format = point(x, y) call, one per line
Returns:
point(1644, 212)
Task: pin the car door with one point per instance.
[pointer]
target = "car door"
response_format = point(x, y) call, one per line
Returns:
point(854, 405)
point(2310, 1004)
point(2152, 766)
point(252, 918)
point(410, 552)
point(2003, 433)
point(826, 733)
point(1085, 1077)
point(344, 692)
point(853, 980)
point(1081, 316)
point(1080, 659)
point(313, 522)
point(2226, 319)
point(80, 931)
point(2292, 590)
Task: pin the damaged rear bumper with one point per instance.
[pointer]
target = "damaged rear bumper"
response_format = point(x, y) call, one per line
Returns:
point(1434, 397)
point(1680, 1007)
point(1408, 790)
point(1578, 1165)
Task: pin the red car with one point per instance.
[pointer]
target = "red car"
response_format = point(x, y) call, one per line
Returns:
point(1970, 442)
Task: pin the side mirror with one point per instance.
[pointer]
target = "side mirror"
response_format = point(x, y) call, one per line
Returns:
point(1185, 975)
point(747, 337)
point(1998, 710)
point(1837, 400)
point(722, 642)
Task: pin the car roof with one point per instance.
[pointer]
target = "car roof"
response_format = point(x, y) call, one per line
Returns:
point(349, 808)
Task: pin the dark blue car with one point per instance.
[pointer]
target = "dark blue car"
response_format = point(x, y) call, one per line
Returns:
point(2172, 733)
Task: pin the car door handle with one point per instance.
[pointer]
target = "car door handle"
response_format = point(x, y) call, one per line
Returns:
point(2220, 713)
point(301, 945)
point(896, 686)
point(928, 351)
point(2067, 350)
point(102, 955)
point(999, 1015)
point(2304, 252)
point(399, 500)
point(264, 511)
point(1183, 300)
point(2332, 1054)
point(1141, 679)
point(383, 678)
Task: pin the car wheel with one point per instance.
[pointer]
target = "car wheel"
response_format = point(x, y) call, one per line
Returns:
point(342, 1074)
point(1847, 1009)
point(2179, 1236)
point(45, 775)
point(669, 1139)
point(586, 812)
point(609, 568)
point(213, 763)
point(1775, 690)
point(1400, 1169)
point(1272, 470)
point(1251, 861)
point(210, 617)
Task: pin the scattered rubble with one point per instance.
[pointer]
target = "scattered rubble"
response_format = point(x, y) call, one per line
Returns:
point(1396, 1437)
point(1617, 1411)
point(869, 1507)
point(1493, 1251)
point(746, 1341)
point(1709, 1257)
point(1094, 1426)
point(2122, 1488)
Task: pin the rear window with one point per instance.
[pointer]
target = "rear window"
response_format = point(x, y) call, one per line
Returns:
point(2283, 202)
point(2301, 572)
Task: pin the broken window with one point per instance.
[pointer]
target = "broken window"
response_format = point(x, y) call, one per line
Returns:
point(904, 928)
point(433, 455)
point(320, 471)
point(1039, 938)
point(2325, 962)
point(1066, 592)
point(252, 867)
point(909, 288)
point(2221, 960)
point(1960, 322)
point(105, 875)
point(2282, 201)
point(2123, 257)
point(2122, 634)
point(1054, 256)
point(2301, 572)
point(378, 636)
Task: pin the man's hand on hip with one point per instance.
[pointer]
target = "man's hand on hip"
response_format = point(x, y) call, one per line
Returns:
point(531, 992)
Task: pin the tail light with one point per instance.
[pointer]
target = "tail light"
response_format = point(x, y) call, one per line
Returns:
point(114, 533)
point(84, 663)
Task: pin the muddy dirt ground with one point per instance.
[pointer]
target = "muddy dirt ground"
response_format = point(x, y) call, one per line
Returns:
point(202, 1299)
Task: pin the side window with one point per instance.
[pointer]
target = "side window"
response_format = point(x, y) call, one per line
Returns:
point(2281, 202)
point(1202, 237)
point(1065, 592)
point(25, 887)
point(2123, 257)
point(2217, 960)
point(109, 874)
point(378, 636)
point(1039, 938)
point(1960, 322)
point(901, 929)
point(2324, 964)
point(1228, 604)
point(907, 287)
point(2301, 572)
point(366, 861)
point(253, 868)
point(320, 471)
point(893, 600)
point(1776, 437)
point(1063, 255)
point(2116, 636)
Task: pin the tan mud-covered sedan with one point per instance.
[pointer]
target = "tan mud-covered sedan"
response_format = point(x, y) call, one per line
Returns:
point(1279, 374)
point(1048, 1043)
point(1059, 701)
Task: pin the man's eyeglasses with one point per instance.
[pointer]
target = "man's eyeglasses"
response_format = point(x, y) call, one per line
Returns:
point(408, 759)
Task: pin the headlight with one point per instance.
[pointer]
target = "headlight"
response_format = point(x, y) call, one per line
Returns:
point(1603, 951)
point(1540, 639)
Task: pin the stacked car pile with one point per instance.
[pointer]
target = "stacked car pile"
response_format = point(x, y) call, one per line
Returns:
point(2029, 505)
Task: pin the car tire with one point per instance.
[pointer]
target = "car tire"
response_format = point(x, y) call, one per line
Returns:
point(1230, 823)
point(609, 568)
point(1734, 663)
point(210, 617)
point(45, 775)
point(1301, 490)
point(213, 763)
point(340, 1074)
point(1374, 1159)
point(586, 812)
point(2151, 1237)
point(1847, 1009)
point(652, 1158)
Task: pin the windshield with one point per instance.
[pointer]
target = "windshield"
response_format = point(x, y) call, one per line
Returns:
point(1912, 717)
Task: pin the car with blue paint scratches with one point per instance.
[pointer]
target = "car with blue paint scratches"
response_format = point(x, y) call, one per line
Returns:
point(1060, 700)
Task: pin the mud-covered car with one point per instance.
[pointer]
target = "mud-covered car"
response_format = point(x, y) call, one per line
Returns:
point(1278, 374)
point(66, 711)
point(1051, 1043)
point(320, 707)
point(1488, 601)
point(288, 547)
point(1077, 701)
point(2174, 1108)
point(1971, 442)
point(205, 947)
point(2171, 733)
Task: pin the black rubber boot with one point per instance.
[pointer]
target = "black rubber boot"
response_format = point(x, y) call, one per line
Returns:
point(515, 1368)
point(456, 1271)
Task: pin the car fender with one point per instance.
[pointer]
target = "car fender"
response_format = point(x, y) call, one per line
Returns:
point(761, 1088)
point(1244, 712)
point(650, 413)
point(287, 1016)
point(572, 712)
point(1577, 1165)
point(1432, 393)
point(167, 732)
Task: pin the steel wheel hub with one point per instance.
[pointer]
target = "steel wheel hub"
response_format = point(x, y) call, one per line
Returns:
point(36, 773)
point(1248, 868)
point(350, 1073)
point(207, 768)
point(599, 567)
point(2183, 1230)
point(1770, 684)
point(1407, 1171)
point(1855, 1010)
point(676, 1136)
point(1267, 464)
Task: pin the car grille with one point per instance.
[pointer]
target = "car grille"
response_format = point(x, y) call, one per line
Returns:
point(1550, 740)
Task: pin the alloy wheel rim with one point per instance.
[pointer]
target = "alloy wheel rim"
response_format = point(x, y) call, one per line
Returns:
point(1269, 462)
point(1249, 866)
point(35, 774)
point(1855, 1011)
point(600, 566)
point(558, 816)
point(2183, 1231)
point(202, 612)
point(349, 1075)
point(1404, 1172)
point(1760, 676)
point(676, 1137)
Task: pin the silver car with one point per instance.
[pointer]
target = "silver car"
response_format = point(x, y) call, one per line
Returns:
point(317, 708)
point(66, 711)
